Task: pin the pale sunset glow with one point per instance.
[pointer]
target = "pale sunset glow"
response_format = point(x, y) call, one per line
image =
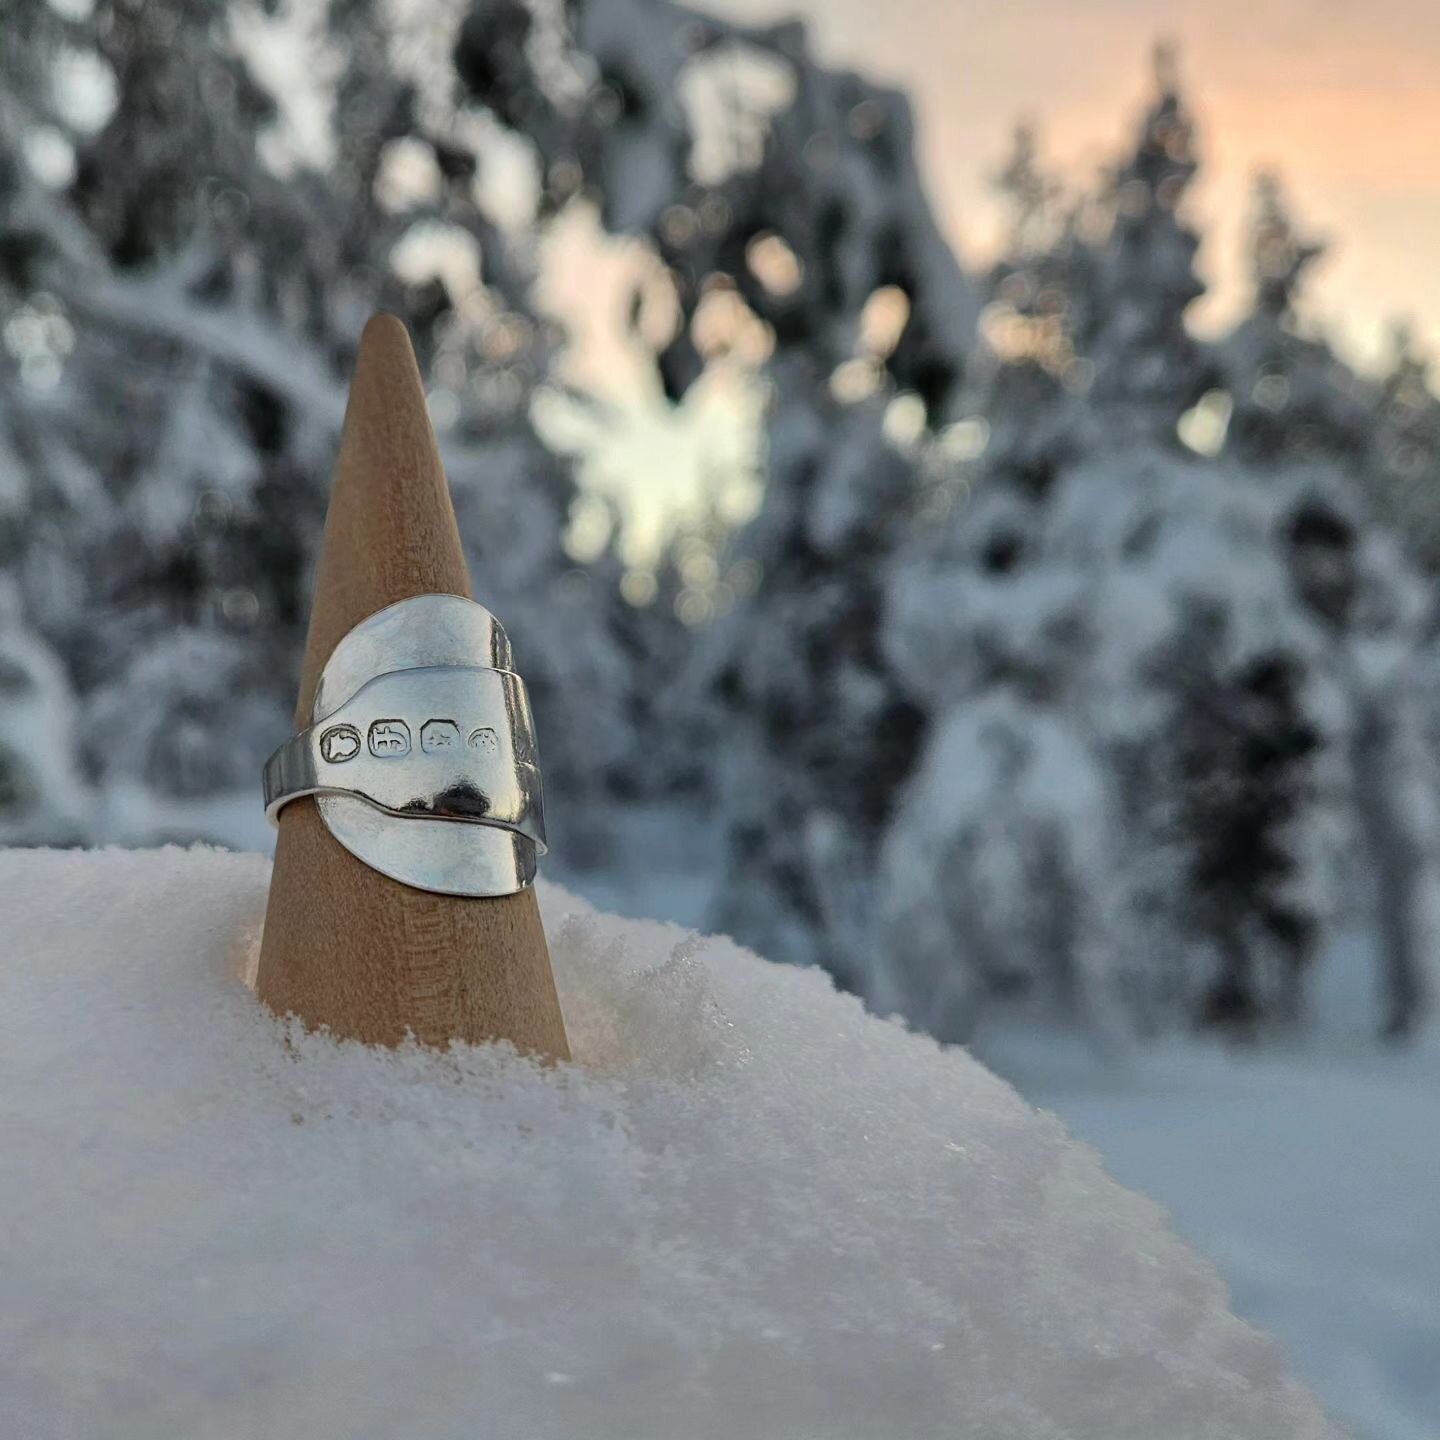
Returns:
point(1341, 99)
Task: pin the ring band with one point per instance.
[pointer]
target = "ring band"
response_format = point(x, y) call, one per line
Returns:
point(422, 756)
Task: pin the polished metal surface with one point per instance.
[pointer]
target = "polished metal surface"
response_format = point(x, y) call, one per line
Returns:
point(422, 755)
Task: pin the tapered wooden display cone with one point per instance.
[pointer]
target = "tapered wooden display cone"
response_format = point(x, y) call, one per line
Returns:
point(344, 946)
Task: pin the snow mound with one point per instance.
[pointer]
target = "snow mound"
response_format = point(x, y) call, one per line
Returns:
point(748, 1209)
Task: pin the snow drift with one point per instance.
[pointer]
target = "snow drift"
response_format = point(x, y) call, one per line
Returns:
point(747, 1209)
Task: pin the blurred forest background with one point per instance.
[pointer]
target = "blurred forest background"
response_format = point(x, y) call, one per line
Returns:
point(988, 638)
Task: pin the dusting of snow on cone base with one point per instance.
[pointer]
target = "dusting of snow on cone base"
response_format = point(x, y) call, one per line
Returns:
point(344, 946)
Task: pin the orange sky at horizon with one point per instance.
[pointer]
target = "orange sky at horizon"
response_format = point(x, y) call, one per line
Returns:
point(1342, 101)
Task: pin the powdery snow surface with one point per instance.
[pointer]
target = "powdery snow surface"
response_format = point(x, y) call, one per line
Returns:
point(747, 1209)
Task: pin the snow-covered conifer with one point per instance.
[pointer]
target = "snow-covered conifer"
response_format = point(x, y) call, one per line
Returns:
point(1204, 641)
point(1145, 368)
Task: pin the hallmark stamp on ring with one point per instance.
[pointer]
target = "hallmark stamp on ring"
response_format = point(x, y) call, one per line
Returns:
point(439, 735)
point(340, 743)
point(389, 738)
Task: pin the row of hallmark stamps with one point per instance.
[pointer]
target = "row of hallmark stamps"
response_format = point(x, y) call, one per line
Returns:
point(390, 739)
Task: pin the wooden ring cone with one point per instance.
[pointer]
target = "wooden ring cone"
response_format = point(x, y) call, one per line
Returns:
point(345, 947)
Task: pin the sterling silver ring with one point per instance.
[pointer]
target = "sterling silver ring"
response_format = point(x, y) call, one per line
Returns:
point(422, 756)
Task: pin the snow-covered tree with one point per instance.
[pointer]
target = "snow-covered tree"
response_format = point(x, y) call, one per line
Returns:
point(1291, 399)
point(1160, 625)
point(795, 184)
point(771, 189)
point(1404, 470)
point(44, 799)
point(1153, 679)
point(815, 733)
point(1145, 368)
point(1301, 418)
point(1027, 387)
point(181, 305)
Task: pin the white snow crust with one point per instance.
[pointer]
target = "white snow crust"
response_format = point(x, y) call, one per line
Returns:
point(748, 1209)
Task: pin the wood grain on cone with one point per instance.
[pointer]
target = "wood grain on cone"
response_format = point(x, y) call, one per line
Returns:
point(344, 946)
